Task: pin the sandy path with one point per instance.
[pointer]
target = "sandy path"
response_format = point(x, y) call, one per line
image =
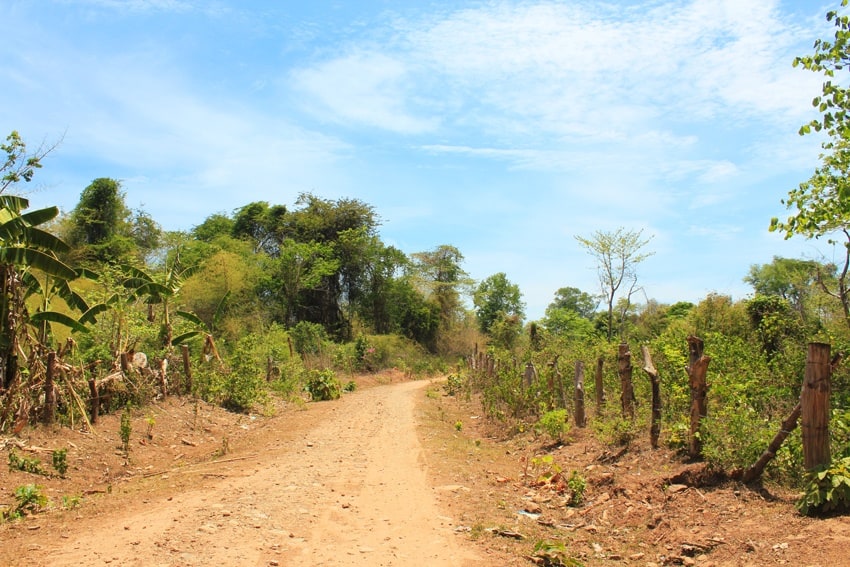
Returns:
point(349, 490)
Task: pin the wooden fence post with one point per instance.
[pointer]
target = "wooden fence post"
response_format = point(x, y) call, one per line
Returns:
point(697, 369)
point(627, 393)
point(579, 394)
point(652, 372)
point(600, 388)
point(49, 389)
point(814, 401)
point(95, 401)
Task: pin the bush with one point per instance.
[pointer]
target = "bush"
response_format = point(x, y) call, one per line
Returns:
point(323, 385)
point(308, 338)
point(827, 489)
point(554, 423)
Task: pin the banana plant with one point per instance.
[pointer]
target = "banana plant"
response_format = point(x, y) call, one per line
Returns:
point(24, 249)
point(162, 291)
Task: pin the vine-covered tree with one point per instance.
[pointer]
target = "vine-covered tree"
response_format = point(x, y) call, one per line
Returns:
point(104, 229)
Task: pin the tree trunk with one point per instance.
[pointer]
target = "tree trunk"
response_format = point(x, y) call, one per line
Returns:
point(697, 369)
point(814, 400)
point(652, 372)
point(95, 401)
point(579, 394)
point(627, 393)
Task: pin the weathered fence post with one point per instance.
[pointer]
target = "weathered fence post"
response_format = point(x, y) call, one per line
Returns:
point(95, 401)
point(579, 394)
point(697, 369)
point(49, 389)
point(627, 393)
point(600, 388)
point(814, 401)
point(652, 372)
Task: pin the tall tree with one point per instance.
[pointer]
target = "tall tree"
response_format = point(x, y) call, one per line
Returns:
point(104, 229)
point(821, 205)
point(443, 280)
point(496, 298)
point(617, 256)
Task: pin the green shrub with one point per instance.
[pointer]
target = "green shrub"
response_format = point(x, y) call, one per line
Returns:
point(60, 461)
point(31, 498)
point(25, 464)
point(735, 436)
point(308, 338)
point(827, 489)
point(323, 385)
point(614, 429)
point(555, 424)
point(577, 485)
point(244, 385)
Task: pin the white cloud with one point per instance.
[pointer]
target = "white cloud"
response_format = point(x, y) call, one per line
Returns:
point(364, 89)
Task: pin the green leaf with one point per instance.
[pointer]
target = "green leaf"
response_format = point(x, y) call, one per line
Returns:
point(32, 258)
point(191, 317)
point(180, 339)
point(60, 318)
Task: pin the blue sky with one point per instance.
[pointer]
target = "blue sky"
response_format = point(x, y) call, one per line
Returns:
point(503, 128)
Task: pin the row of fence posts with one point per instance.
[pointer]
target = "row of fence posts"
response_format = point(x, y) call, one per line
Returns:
point(812, 411)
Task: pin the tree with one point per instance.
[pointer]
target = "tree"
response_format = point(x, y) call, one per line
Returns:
point(617, 255)
point(821, 205)
point(106, 230)
point(442, 278)
point(791, 279)
point(495, 299)
point(575, 300)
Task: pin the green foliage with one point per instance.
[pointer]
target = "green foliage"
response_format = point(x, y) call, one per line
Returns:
point(18, 165)
point(555, 424)
point(827, 489)
point(126, 428)
point(308, 338)
point(30, 498)
point(496, 298)
point(577, 485)
point(544, 468)
point(244, 383)
point(60, 461)
point(349, 386)
point(734, 436)
point(458, 426)
point(71, 501)
point(323, 385)
point(25, 464)
point(614, 429)
point(554, 554)
point(455, 384)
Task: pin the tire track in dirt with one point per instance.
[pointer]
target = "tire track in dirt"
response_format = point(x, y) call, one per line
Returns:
point(350, 490)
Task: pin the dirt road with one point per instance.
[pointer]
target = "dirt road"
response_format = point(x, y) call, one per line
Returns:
point(347, 488)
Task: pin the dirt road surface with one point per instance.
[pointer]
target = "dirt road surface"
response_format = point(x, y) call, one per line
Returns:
point(346, 487)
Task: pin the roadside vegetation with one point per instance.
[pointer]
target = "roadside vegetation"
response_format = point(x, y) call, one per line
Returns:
point(101, 310)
